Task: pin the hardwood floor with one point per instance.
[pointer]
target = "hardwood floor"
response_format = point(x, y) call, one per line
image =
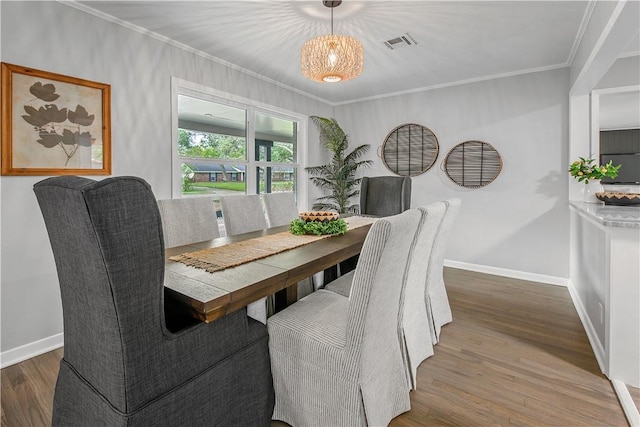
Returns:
point(635, 395)
point(27, 391)
point(515, 354)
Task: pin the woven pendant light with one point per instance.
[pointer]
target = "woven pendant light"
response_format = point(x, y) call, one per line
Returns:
point(332, 58)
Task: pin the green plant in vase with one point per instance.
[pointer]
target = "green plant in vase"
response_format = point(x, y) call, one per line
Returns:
point(585, 170)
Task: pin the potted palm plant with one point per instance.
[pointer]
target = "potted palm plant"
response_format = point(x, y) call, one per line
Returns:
point(338, 177)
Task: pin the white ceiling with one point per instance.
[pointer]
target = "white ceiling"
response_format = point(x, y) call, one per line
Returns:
point(457, 41)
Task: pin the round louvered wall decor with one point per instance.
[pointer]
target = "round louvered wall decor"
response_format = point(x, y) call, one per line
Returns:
point(472, 164)
point(410, 150)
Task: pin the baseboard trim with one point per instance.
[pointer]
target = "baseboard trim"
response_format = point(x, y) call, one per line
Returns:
point(515, 274)
point(627, 403)
point(596, 345)
point(32, 349)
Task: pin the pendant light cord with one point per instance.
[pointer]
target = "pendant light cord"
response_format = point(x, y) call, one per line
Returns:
point(332, 19)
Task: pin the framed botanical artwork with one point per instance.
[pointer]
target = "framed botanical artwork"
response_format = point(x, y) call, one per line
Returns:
point(54, 124)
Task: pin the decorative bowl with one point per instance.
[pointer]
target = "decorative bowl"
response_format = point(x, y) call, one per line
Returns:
point(619, 199)
point(318, 216)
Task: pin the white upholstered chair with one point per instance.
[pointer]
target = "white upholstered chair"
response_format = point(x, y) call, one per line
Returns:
point(188, 220)
point(414, 323)
point(337, 361)
point(243, 214)
point(437, 301)
point(280, 208)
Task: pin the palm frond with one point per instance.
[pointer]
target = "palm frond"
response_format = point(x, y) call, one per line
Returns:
point(331, 134)
point(322, 182)
point(325, 207)
point(339, 176)
point(357, 153)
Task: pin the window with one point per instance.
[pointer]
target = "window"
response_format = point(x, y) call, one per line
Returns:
point(276, 153)
point(212, 146)
point(229, 146)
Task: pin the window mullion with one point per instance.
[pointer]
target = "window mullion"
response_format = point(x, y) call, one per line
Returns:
point(251, 152)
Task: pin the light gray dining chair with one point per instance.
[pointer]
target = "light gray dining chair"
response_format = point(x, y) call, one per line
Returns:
point(414, 320)
point(414, 324)
point(281, 209)
point(337, 361)
point(243, 214)
point(437, 300)
point(188, 220)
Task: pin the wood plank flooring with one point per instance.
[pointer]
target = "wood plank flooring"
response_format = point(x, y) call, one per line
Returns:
point(635, 395)
point(515, 355)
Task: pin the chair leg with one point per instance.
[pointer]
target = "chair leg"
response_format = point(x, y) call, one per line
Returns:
point(317, 281)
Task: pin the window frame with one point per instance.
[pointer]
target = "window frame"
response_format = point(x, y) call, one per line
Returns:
point(182, 87)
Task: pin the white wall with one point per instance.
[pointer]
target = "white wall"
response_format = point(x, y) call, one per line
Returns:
point(55, 37)
point(518, 222)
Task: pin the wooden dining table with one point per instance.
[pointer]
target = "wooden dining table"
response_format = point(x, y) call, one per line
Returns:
point(210, 295)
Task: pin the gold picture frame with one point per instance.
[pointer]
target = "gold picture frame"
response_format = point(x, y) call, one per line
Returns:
point(54, 124)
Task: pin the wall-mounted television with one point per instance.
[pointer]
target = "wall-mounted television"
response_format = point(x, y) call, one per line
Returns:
point(629, 172)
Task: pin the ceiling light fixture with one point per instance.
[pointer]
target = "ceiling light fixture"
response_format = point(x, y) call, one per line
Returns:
point(332, 58)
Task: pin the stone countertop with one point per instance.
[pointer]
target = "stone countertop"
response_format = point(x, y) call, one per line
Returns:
point(610, 216)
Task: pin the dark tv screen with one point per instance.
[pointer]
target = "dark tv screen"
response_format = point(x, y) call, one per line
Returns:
point(629, 172)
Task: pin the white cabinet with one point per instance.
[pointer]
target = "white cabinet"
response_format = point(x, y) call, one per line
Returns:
point(605, 279)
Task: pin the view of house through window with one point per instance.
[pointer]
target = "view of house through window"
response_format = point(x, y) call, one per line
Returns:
point(275, 154)
point(216, 158)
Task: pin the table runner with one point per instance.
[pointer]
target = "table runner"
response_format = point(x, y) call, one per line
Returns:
point(237, 253)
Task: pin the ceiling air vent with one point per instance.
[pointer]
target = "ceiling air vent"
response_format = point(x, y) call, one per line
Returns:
point(400, 41)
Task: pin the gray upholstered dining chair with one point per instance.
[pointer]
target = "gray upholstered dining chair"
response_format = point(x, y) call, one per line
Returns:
point(414, 323)
point(124, 364)
point(385, 195)
point(280, 208)
point(337, 361)
point(437, 301)
point(243, 214)
point(188, 220)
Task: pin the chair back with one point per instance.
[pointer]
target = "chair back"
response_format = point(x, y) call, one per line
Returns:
point(188, 220)
point(415, 325)
point(385, 195)
point(281, 208)
point(242, 214)
point(436, 297)
point(108, 247)
point(374, 302)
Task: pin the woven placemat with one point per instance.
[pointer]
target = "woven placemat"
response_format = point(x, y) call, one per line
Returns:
point(237, 253)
